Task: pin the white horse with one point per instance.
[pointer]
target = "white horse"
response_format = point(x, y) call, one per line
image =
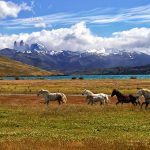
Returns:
point(60, 97)
point(146, 94)
point(92, 98)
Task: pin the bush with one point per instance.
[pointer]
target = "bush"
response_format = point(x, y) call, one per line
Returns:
point(17, 78)
point(73, 78)
point(81, 78)
point(133, 77)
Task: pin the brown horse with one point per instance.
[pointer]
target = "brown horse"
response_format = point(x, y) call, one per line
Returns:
point(125, 98)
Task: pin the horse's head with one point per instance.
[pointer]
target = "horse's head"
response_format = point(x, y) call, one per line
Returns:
point(41, 92)
point(84, 92)
point(114, 92)
point(144, 92)
point(87, 92)
point(140, 92)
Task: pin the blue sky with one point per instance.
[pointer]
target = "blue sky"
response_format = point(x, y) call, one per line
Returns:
point(96, 25)
point(79, 10)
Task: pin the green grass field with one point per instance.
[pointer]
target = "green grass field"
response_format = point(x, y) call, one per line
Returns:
point(74, 126)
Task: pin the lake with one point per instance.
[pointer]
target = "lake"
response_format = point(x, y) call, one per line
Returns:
point(86, 77)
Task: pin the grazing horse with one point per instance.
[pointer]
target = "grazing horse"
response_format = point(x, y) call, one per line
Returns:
point(60, 97)
point(146, 94)
point(124, 98)
point(92, 98)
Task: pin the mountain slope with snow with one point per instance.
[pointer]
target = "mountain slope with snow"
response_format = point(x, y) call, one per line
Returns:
point(65, 60)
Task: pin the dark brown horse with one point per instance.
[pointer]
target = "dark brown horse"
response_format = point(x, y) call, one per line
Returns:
point(134, 99)
point(125, 98)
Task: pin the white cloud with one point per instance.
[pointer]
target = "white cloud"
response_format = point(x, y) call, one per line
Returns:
point(79, 38)
point(134, 39)
point(97, 16)
point(40, 25)
point(8, 8)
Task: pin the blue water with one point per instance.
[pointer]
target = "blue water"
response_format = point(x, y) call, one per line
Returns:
point(85, 77)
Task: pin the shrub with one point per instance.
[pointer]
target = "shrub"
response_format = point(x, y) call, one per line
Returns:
point(73, 78)
point(17, 78)
point(81, 78)
point(133, 77)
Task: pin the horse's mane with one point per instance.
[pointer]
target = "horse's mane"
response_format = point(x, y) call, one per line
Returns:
point(118, 92)
point(45, 91)
point(89, 91)
point(146, 90)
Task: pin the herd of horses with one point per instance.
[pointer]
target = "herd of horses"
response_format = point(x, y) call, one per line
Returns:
point(102, 98)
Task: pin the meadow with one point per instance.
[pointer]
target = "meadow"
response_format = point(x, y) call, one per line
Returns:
point(26, 123)
point(71, 87)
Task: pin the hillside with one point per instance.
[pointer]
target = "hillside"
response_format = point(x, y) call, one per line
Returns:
point(10, 67)
point(115, 70)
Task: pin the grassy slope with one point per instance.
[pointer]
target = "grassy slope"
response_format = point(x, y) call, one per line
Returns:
point(10, 67)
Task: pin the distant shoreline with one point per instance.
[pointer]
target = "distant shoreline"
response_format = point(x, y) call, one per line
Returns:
point(77, 77)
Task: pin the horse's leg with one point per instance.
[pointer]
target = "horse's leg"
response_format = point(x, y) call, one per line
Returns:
point(134, 103)
point(59, 102)
point(146, 105)
point(143, 104)
point(89, 101)
point(117, 103)
point(139, 103)
point(92, 102)
point(100, 102)
point(45, 102)
point(106, 102)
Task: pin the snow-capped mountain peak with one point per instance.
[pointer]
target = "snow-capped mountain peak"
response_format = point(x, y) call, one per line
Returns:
point(37, 47)
point(102, 52)
point(26, 48)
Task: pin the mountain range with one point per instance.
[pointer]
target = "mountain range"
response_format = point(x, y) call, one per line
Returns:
point(66, 61)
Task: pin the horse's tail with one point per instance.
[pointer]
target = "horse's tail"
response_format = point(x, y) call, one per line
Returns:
point(64, 98)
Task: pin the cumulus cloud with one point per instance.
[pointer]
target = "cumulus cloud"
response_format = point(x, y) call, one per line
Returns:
point(8, 8)
point(136, 39)
point(79, 38)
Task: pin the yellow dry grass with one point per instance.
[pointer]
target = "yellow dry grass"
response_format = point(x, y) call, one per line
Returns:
point(72, 86)
point(10, 67)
